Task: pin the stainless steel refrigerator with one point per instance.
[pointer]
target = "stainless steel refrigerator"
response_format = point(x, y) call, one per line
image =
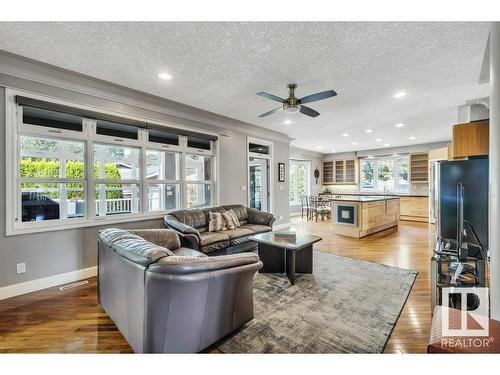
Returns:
point(473, 176)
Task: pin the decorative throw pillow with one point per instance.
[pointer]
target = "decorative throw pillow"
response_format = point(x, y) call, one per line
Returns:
point(216, 222)
point(236, 222)
point(229, 220)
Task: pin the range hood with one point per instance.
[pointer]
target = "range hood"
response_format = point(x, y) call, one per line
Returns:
point(473, 110)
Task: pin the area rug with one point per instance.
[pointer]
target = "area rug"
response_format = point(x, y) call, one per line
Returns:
point(345, 306)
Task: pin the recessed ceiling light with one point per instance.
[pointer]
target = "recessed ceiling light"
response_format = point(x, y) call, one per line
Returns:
point(287, 122)
point(399, 125)
point(368, 130)
point(354, 143)
point(345, 135)
point(400, 94)
point(165, 76)
point(412, 138)
point(320, 146)
point(378, 139)
point(387, 145)
point(332, 150)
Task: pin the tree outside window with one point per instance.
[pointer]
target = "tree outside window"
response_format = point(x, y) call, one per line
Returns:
point(300, 180)
point(384, 174)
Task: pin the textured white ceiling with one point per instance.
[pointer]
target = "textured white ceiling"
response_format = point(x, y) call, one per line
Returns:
point(221, 66)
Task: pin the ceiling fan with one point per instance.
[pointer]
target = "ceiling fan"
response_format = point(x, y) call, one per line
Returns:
point(294, 105)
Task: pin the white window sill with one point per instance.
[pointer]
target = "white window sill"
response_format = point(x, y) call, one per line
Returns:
point(47, 226)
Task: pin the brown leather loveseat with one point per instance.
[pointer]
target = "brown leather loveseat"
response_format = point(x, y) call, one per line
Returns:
point(192, 226)
point(168, 299)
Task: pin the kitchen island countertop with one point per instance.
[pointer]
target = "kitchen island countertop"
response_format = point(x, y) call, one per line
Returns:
point(364, 198)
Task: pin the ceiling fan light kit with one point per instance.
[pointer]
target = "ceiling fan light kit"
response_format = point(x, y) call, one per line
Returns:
point(294, 105)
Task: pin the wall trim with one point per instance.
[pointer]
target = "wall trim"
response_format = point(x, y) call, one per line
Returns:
point(281, 226)
point(46, 282)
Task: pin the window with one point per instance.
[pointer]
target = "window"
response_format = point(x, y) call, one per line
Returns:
point(300, 180)
point(384, 174)
point(117, 173)
point(163, 181)
point(52, 178)
point(71, 171)
point(198, 175)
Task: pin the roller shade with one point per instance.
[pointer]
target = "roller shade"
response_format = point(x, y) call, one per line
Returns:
point(35, 103)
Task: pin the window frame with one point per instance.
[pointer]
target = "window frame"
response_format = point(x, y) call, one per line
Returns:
point(395, 174)
point(15, 128)
point(308, 163)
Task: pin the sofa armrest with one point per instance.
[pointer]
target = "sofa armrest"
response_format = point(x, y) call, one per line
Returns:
point(182, 228)
point(188, 265)
point(167, 238)
point(260, 217)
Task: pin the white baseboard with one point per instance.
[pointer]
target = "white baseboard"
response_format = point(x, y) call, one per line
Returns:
point(295, 213)
point(281, 226)
point(46, 282)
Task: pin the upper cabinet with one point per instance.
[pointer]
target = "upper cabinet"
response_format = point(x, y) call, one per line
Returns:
point(471, 139)
point(419, 167)
point(328, 172)
point(339, 172)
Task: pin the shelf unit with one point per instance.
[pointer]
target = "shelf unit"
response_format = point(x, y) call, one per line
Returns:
point(350, 171)
point(339, 171)
point(328, 172)
point(419, 168)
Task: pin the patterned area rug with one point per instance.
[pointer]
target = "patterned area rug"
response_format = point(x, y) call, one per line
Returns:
point(346, 306)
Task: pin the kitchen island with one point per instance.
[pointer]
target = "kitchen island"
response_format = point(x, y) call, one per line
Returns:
point(361, 215)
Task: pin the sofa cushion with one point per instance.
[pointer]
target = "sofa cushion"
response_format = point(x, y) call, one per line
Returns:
point(208, 238)
point(186, 252)
point(195, 218)
point(216, 222)
point(239, 210)
point(167, 238)
point(207, 249)
point(238, 232)
point(257, 228)
point(132, 247)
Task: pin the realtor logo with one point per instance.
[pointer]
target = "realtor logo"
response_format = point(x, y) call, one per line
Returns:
point(470, 323)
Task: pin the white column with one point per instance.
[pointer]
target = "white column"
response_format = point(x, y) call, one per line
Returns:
point(494, 158)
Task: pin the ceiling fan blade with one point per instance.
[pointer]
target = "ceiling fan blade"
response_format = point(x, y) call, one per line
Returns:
point(271, 96)
point(308, 111)
point(271, 112)
point(317, 96)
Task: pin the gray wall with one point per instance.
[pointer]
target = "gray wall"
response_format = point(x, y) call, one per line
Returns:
point(56, 252)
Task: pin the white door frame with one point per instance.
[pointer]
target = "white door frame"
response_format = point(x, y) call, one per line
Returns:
point(269, 157)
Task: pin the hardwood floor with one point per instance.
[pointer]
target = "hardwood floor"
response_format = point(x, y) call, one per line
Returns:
point(71, 321)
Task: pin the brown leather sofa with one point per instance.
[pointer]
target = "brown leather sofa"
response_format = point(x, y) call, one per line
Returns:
point(192, 226)
point(165, 298)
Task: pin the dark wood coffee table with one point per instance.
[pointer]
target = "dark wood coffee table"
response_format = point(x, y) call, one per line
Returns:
point(286, 255)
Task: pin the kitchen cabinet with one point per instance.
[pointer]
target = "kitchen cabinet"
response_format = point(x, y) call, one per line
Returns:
point(419, 168)
point(471, 139)
point(328, 172)
point(414, 208)
point(339, 171)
